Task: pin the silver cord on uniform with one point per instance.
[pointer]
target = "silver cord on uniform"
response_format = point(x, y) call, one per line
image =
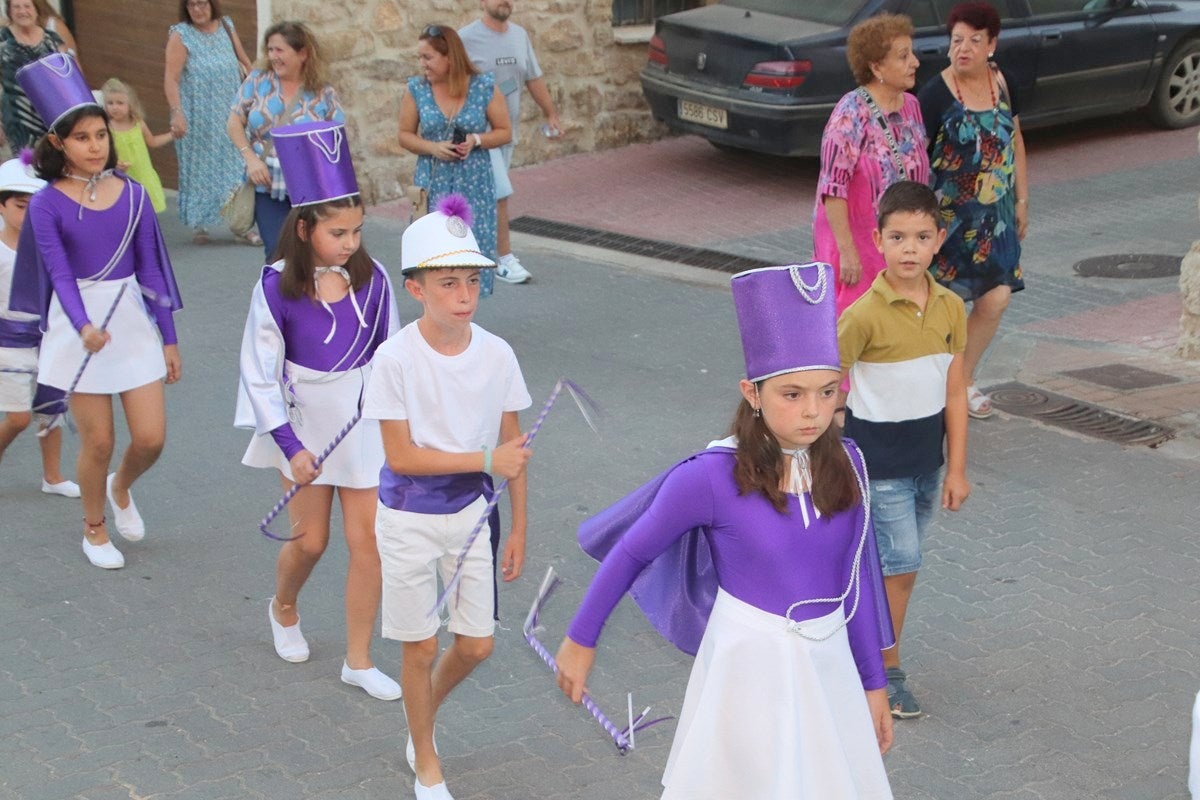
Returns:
point(362, 322)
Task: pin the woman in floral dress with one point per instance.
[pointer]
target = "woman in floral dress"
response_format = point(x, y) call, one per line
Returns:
point(874, 138)
point(450, 117)
point(978, 159)
point(22, 42)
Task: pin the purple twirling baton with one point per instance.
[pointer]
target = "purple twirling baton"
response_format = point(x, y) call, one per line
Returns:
point(283, 501)
point(623, 737)
point(88, 355)
point(580, 397)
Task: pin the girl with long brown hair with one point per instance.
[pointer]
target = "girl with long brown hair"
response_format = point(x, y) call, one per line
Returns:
point(757, 556)
point(317, 315)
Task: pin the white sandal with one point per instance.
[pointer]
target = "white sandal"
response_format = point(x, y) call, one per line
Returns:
point(979, 405)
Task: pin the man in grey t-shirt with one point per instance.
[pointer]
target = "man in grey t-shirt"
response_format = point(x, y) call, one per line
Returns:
point(501, 47)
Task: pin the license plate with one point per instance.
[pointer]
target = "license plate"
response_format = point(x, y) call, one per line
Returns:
point(703, 115)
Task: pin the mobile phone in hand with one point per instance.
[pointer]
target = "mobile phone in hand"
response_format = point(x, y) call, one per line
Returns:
point(459, 136)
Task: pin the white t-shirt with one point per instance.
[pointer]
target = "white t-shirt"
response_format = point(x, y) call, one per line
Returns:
point(451, 403)
point(509, 56)
point(7, 257)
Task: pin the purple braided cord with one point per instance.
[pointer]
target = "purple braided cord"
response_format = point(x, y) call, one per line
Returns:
point(618, 736)
point(88, 355)
point(452, 584)
point(283, 501)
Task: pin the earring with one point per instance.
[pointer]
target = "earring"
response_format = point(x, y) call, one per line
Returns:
point(758, 413)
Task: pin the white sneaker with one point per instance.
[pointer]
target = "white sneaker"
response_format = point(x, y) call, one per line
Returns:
point(290, 644)
point(371, 681)
point(436, 792)
point(104, 556)
point(64, 488)
point(509, 270)
point(128, 520)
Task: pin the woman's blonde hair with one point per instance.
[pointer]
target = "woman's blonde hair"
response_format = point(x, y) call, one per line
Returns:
point(118, 86)
point(298, 37)
point(446, 41)
point(871, 40)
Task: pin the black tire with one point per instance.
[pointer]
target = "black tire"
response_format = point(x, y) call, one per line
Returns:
point(1176, 99)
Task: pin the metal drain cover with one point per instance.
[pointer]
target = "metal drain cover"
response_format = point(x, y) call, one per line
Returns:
point(1124, 377)
point(1076, 415)
point(1140, 265)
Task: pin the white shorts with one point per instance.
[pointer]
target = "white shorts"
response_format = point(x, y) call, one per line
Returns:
point(17, 388)
point(412, 549)
point(501, 160)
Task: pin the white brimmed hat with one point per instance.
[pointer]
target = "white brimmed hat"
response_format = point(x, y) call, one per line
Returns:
point(17, 176)
point(442, 239)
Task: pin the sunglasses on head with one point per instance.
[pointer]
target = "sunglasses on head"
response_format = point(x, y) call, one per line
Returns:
point(432, 32)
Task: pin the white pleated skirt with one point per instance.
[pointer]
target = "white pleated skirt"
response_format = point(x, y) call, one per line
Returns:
point(770, 715)
point(133, 358)
point(323, 406)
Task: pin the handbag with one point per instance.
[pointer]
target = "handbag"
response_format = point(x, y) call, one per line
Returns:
point(418, 196)
point(238, 210)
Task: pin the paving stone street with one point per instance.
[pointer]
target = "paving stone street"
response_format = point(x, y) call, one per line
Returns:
point(1053, 640)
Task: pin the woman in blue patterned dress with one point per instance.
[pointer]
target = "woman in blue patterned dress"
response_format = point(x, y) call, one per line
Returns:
point(978, 158)
point(205, 60)
point(287, 87)
point(450, 117)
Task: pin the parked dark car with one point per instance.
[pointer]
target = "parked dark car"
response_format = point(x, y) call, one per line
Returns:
point(765, 74)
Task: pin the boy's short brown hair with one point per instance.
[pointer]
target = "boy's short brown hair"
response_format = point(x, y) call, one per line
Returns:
point(908, 197)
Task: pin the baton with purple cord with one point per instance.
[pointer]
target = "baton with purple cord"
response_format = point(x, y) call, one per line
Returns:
point(86, 358)
point(623, 737)
point(580, 397)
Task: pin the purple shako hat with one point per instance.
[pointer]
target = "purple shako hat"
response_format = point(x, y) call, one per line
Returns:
point(787, 319)
point(55, 86)
point(315, 159)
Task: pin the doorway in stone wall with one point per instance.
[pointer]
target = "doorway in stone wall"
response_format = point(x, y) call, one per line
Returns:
point(128, 40)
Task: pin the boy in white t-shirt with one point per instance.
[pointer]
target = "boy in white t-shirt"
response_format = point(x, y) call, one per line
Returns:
point(446, 392)
point(20, 392)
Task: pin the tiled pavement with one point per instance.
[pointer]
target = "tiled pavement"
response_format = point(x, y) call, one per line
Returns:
point(1054, 635)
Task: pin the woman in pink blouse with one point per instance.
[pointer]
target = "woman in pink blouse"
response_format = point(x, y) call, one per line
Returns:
point(874, 138)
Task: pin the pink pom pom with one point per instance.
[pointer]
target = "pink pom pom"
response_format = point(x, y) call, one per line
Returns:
point(455, 205)
point(26, 156)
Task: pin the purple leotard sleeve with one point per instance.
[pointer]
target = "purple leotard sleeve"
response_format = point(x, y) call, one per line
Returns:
point(762, 557)
point(287, 440)
point(148, 270)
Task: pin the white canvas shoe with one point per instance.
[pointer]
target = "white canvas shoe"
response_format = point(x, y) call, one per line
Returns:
point(371, 681)
point(63, 488)
point(128, 520)
point(290, 644)
point(104, 556)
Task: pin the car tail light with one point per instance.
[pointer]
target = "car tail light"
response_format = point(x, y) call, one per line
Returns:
point(658, 51)
point(776, 74)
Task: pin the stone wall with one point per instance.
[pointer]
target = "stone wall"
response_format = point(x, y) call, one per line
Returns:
point(371, 49)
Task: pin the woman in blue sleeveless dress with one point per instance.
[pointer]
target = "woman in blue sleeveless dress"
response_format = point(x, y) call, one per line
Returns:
point(205, 60)
point(451, 100)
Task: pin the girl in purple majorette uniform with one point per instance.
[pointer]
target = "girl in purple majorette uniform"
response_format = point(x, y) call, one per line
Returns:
point(317, 316)
point(91, 261)
point(757, 556)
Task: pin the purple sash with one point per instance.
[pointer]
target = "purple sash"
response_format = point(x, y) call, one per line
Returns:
point(432, 494)
point(19, 333)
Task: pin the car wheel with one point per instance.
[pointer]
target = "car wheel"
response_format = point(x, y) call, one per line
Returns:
point(1176, 100)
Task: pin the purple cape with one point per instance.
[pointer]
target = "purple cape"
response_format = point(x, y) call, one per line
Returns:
point(677, 590)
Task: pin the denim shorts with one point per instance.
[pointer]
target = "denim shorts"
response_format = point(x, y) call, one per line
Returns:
point(901, 509)
point(501, 158)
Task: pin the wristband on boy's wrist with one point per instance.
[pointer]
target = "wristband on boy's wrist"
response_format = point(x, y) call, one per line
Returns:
point(487, 460)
